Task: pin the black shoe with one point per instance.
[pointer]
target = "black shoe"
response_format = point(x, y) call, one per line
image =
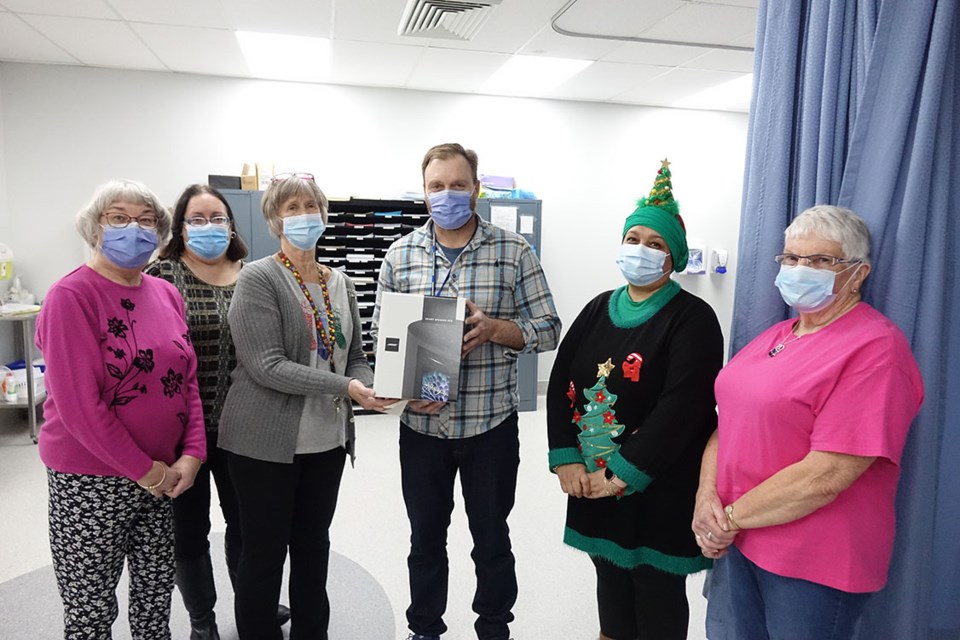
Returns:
point(283, 615)
point(194, 578)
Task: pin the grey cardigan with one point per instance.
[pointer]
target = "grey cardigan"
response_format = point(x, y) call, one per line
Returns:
point(261, 415)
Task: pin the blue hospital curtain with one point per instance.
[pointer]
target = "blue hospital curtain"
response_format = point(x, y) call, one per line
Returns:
point(857, 103)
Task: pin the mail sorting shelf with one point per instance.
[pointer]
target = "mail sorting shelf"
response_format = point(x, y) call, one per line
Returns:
point(26, 325)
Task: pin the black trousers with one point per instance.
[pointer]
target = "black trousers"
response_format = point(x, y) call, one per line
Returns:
point(643, 603)
point(191, 511)
point(488, 475)
point(285, 507)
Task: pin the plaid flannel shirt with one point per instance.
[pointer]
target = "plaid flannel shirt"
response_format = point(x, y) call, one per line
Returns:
point(499, 272)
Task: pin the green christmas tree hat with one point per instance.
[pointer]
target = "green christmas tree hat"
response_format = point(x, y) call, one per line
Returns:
point(660, 212)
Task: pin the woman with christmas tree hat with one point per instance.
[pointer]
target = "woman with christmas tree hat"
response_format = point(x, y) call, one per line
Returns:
point(630, 407)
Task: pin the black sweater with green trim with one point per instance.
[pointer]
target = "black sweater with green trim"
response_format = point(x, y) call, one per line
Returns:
point(667, 408)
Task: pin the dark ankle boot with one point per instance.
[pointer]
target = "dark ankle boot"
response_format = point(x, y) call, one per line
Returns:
point(283, 615)
point(194, 578)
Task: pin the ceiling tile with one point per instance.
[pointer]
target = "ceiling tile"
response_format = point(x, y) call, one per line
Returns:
point(664, 55)
point(370, 63)
point(454, 70)
point(723, 60)
point(102, 43)
point(550, 43)
point(704, 23)
point(68, 8)
point(194, 49)
point(674, 85)
point(21, 42)
point(190, 13)
point(295, 17)
point(605, 80)
point(371, 21)
point(628, 18)
point(739, 3)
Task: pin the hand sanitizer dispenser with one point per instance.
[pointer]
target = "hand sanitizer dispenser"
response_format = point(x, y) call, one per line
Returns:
point(720, 261)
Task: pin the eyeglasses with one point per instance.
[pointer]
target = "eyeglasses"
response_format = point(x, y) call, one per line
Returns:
point(816, 261)
point(280, 177)
point(200, 221)
point(122, 221)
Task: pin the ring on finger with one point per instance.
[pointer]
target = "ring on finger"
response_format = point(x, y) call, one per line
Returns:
point(710, 535)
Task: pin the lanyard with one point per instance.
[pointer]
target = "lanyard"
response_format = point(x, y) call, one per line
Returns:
point(433, 277)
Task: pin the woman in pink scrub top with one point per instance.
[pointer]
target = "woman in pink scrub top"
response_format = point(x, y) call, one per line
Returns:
point(797, 486)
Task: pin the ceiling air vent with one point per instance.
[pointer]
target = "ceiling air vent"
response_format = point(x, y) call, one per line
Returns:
point(456, 20)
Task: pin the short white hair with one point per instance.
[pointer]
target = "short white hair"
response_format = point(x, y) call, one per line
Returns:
point(88, 218)
point(836, 224)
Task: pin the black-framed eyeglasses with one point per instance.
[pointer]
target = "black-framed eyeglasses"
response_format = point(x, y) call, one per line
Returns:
point(200, 221)
point(280, 177)
point(815, 261)
point(122, 220)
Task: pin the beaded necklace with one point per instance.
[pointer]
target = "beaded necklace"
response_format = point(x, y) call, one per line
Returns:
point(328, 334)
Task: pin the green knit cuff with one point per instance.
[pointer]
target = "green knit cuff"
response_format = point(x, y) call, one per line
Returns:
point(633, 558)
point(637, 479)
point(567, 455)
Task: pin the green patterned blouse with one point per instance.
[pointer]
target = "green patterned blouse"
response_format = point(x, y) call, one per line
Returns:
point(207, 307)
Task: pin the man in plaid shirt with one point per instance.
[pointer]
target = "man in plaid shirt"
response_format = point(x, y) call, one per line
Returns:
point(510, 311)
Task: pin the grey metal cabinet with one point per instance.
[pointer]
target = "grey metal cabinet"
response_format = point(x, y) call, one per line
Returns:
point(250, 223)
point(525, 215)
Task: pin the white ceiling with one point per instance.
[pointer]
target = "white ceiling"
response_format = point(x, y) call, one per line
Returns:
point(698, 44)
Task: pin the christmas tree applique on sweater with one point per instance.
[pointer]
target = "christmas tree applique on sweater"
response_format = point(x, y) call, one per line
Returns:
point(598, 424)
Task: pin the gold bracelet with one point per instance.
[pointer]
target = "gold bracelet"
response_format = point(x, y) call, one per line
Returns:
point(729, 511)
point(614, 489)
point(163, 471)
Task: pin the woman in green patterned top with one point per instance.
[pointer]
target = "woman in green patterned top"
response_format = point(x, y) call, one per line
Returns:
point(202, 260)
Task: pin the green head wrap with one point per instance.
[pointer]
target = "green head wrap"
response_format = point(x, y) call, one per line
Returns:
point(660, 212)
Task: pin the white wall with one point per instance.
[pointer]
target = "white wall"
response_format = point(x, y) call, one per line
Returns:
point(7, 337)
point(66, 130)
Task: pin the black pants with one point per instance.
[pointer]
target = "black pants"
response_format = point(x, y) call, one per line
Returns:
point(285, 506)
point(488, 474)
point(643, 603)
point(191, 511)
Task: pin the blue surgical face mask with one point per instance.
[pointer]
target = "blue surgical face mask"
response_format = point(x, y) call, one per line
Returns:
point(450, 209)
point(209, 241)
point(806, 289)
point(304, 231)
point(641, 265)
point(130, 247)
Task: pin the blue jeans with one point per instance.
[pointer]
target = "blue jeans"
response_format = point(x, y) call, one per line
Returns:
point(746, 602)
point(488, 465)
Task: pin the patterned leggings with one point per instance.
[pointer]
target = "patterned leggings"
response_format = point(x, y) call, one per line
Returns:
point(95, 523)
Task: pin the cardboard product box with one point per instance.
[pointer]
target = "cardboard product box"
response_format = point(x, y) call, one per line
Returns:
point(418, 347)
point(223, 182)
point(248, 177)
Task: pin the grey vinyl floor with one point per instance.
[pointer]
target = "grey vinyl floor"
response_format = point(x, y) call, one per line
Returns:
point(370, 536)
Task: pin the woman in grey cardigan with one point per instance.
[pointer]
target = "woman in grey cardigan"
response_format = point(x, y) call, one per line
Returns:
point(287, 422)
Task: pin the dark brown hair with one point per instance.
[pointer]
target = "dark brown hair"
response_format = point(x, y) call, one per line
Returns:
point(448, 150)
point(236, 250)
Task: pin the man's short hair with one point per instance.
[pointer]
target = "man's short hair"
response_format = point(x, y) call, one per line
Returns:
point(448, 150)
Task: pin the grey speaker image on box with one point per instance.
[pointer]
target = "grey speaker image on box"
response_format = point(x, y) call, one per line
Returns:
point(418, 347)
